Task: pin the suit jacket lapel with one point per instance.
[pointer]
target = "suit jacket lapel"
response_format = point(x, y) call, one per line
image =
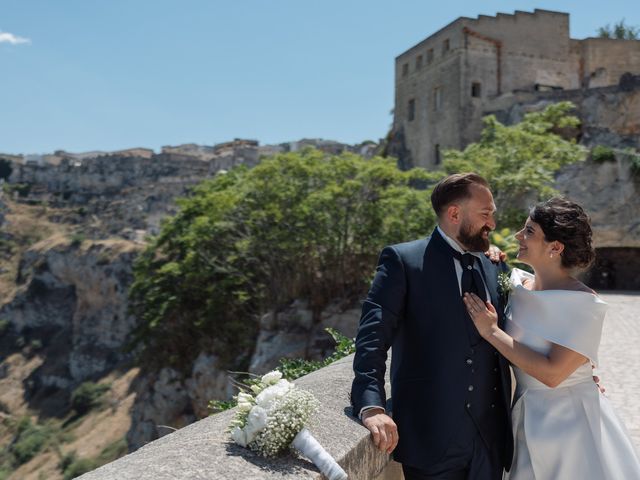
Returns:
point(491, 278)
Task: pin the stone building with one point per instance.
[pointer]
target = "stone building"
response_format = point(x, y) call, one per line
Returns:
point(447, 82)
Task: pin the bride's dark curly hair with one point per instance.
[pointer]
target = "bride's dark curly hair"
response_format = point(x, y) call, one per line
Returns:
point(566, 222)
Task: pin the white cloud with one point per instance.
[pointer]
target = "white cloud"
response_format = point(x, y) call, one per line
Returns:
point(6, 37)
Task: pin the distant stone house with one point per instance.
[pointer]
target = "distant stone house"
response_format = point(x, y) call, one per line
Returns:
point(445, 84)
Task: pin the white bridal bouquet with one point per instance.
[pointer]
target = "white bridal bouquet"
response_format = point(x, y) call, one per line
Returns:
point(272, 417)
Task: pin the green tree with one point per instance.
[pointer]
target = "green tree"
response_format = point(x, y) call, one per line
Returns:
point(310, 225)
point(520, 160)
point(298, 225)
point(619, 31)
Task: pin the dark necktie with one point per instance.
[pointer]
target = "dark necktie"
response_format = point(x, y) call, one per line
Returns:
point(471, 281)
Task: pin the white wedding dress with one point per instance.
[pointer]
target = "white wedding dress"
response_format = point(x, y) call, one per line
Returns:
point(571, 431)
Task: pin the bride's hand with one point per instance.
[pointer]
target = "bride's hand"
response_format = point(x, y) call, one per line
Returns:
point(483, 314)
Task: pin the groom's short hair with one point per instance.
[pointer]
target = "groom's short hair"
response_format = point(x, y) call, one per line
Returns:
point(454, 188)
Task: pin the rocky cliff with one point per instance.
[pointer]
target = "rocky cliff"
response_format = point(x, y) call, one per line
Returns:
point(608, 189)
point(70, 233)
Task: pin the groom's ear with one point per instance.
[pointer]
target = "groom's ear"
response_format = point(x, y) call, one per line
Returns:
point(454, 214)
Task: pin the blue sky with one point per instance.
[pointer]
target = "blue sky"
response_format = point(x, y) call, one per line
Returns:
point(86, 75)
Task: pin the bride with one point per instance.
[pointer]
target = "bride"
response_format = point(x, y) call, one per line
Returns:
point(563, 426)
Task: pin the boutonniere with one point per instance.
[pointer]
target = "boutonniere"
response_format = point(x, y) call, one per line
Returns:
point(504, 288)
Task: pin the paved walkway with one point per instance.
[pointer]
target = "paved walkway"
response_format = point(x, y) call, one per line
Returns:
point(620, 358)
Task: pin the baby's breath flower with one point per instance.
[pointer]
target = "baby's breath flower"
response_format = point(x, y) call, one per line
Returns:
point(504, 283)
point(268, 420)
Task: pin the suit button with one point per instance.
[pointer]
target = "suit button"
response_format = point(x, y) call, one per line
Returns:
point(495, 369)
point(493, 405)
point(469, 361)
point(468, 405)
point(469, 267)
point(470, 388)
point(495, 389)
point(473, 370)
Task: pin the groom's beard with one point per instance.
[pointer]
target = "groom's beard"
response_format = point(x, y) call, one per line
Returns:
point(474, 241)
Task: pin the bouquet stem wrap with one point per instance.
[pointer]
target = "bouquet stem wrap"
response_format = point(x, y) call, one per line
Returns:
point(310, 448)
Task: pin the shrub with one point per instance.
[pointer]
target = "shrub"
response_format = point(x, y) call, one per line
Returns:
point(29, 441)
point(77, 239)
point(601, 154)
point(112, 451)
point(22, 189)
point(87, 396)
point(79, 467)
point(67, 460)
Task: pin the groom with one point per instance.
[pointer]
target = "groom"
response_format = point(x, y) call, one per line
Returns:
point(450, 388)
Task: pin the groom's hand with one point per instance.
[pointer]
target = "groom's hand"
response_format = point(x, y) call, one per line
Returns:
point(383, 429)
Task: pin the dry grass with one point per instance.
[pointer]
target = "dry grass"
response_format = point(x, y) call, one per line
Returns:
point(91, 434)
point(17, 368)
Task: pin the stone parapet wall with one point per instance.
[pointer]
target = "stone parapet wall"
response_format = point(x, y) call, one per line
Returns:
point(204, 450)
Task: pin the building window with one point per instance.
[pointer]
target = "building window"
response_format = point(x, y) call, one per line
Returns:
point(437, 158)
point(411, 113)
point(419, 62)
point(437, 98)
point(429, 56)
point(405, 69)
point(476, 90)
point(445, 46)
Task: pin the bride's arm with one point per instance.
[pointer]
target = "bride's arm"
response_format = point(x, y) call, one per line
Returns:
point(551, 369)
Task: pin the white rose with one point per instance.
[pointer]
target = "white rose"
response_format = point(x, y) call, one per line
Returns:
point(244, 397)
point(271, 377)
point(251, 435)
point(245, 402)
point(239, 436)
point(267, 397)
point(256, 420)
point(284, 385)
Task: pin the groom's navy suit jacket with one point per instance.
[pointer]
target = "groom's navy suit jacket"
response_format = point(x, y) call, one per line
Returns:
point(414, 306)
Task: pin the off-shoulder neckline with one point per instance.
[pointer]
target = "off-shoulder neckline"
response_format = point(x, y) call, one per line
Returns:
point(520, 285)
